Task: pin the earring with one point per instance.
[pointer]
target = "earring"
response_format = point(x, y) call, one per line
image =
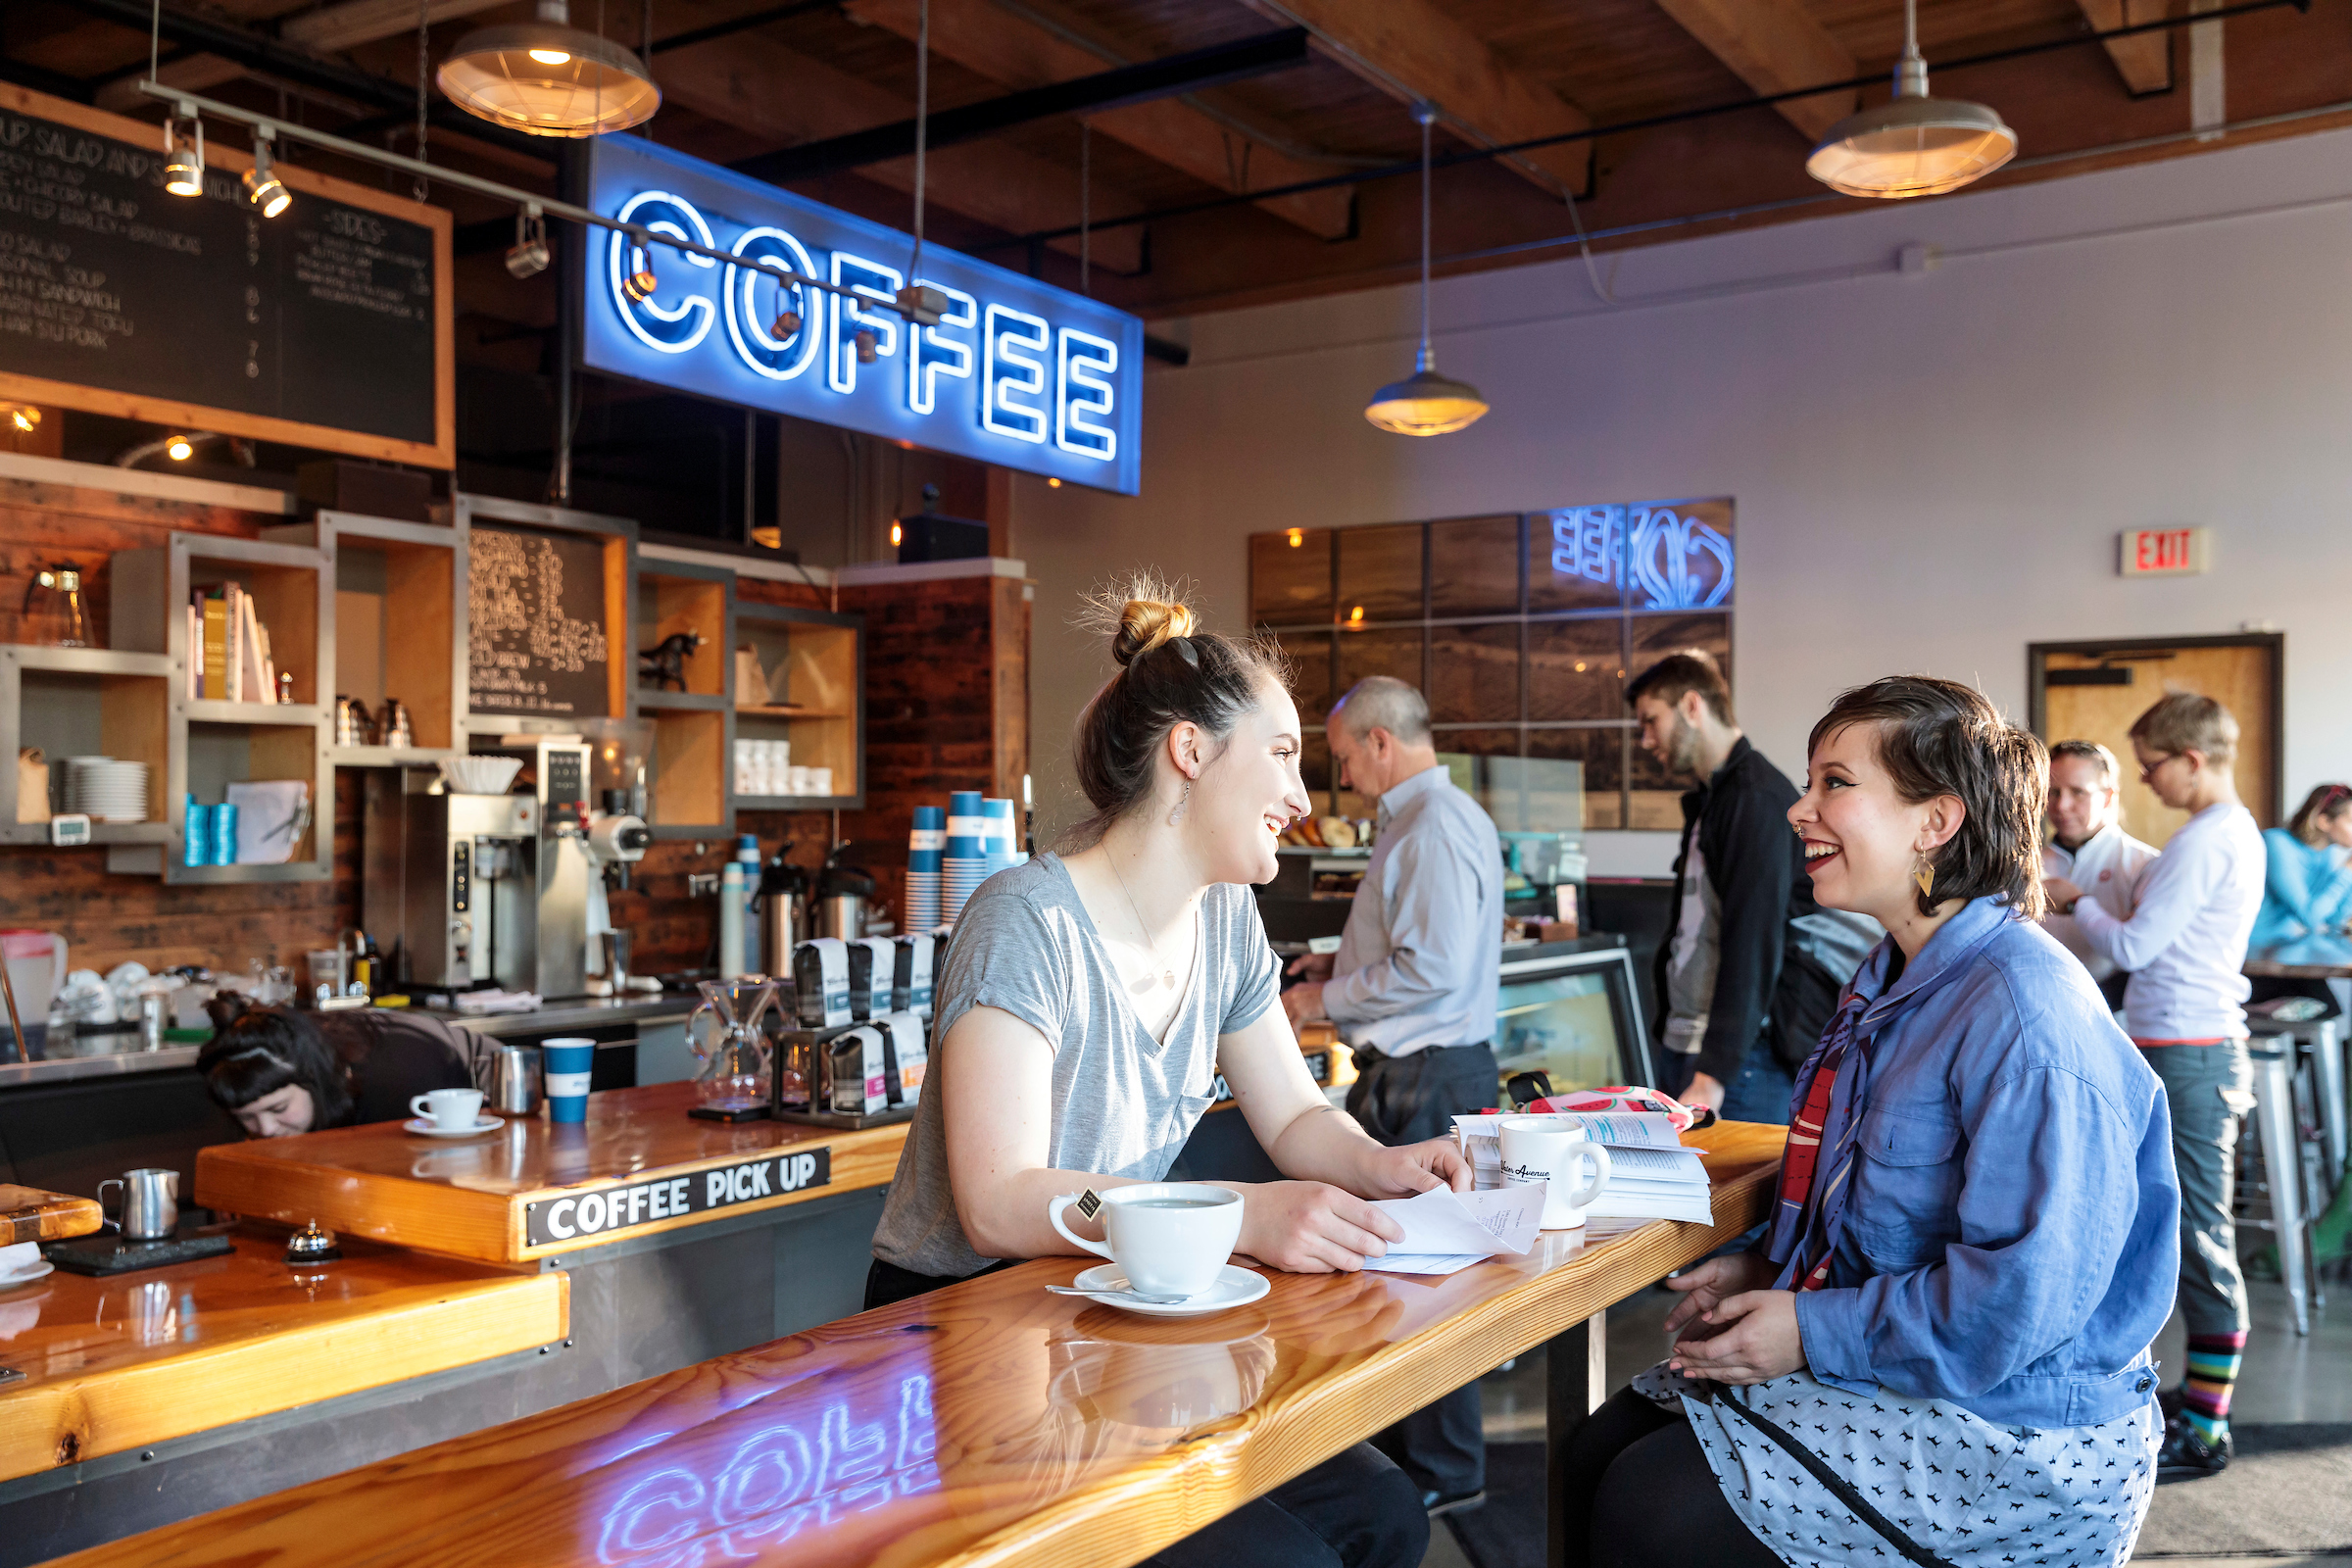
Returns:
point(1925, 876)
point(1177, 816)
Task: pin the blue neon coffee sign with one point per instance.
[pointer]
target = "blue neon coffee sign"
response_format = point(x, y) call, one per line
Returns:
point(1014, 372)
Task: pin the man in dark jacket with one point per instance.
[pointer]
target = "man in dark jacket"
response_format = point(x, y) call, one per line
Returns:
point(1752, 965)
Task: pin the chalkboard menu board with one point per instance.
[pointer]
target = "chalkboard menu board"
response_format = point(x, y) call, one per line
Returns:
point(325, 327)
point(536, 640)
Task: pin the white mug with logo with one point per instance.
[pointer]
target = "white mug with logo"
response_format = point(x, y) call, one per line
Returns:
point(1168, 1238)
point(453, 1109)
point(1548, 1149)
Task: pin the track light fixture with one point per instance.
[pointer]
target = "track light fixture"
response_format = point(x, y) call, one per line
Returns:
point(866, 352)
point(1912, 145)
point(262, 188)
point(640, 284)
point(184, 152)
point(528, 256)
point(25, 418)
point(179, 448)
point(549, 77)
point(1425, 403)
point(788, 321)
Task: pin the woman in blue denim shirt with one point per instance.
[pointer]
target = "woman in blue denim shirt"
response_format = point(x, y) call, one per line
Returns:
point(1942, 1350)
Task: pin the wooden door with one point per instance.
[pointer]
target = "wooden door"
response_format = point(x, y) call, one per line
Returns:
point(2093, 690)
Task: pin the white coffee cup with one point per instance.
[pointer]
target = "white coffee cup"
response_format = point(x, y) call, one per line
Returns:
point(1168, 1238)
point(1547, 1150)
point(450, 1109)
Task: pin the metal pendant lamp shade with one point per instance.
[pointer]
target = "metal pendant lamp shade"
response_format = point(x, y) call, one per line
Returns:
point(549, 78)
point(1425, 403)
point(1912, 145)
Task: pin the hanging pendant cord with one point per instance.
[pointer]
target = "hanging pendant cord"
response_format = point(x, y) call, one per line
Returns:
point(1086, 188)
point(923, 127)
point(155, 39)
point(419, 187)
point(1425, 112)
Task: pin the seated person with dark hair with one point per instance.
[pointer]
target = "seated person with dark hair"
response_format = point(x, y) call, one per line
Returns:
point(282, 1072)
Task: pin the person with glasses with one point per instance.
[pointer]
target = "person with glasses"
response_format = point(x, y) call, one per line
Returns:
point(2184, 946)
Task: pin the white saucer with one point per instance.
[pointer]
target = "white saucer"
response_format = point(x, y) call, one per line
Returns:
point(1234, 1286)
point(425, 1129)
point(39, 1271)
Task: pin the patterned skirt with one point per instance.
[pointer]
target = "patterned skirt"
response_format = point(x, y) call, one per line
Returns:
point(1976, 1495)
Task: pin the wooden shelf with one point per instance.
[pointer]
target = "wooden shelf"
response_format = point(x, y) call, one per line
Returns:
point(101, 833)
point(389, 756)
point(796, 803)
point(814, 661)
point(204, 710)
point(682, 702)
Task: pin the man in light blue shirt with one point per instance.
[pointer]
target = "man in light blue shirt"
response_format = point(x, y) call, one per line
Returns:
point(1412, 989)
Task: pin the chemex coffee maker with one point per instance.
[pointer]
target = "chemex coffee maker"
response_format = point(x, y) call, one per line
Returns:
point(482, 888)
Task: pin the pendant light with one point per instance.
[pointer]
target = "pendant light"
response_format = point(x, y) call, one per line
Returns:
point(1912, 145)
point(1425, 403)
point(549, 77)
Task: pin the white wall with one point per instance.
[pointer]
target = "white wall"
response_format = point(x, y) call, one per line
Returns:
point(1929, 468)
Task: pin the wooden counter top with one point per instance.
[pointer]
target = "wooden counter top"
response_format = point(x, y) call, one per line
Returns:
point(111, 1365)
point(988, 1423)
point(517, 1194)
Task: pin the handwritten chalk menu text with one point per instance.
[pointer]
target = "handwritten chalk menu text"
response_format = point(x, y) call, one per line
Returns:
point(323, 320)
point(536, 639)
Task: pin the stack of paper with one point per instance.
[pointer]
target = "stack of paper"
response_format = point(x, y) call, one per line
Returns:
point(1652, 1175)
point(1446, 1231)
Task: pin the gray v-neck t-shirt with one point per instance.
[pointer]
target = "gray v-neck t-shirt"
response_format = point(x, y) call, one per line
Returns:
point(1123, 1101)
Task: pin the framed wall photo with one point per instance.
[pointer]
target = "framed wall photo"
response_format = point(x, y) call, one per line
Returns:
point(331, 325)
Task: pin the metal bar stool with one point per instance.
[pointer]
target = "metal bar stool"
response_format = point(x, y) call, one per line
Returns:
point(2273, 1058)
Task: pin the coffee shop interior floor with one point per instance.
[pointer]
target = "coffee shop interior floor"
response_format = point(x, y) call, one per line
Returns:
point(2288, 1381)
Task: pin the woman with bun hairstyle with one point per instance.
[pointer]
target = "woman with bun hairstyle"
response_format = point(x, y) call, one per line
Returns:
point(1088, 1004)
point(1940, 1352)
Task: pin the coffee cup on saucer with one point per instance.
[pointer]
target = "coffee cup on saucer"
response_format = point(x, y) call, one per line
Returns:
point(1168, 1238)
point(453, 1111)
point(1549, 1151)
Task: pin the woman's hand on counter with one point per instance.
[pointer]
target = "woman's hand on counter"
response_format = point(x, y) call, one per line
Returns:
point(1312, 1226)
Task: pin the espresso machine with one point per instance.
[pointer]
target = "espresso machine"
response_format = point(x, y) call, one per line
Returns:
point(486, 890)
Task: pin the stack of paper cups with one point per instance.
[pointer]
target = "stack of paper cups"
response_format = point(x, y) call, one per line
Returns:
point(1001, 837)
point(926, 847)
point(965, 865)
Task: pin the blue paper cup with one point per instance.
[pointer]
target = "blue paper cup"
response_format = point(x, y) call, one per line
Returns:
point(196, 835)
point(569, 1065)
point(224, 834)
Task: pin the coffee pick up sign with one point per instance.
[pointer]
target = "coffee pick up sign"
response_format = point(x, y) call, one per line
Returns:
point(606, 1211)
point(1015, 372)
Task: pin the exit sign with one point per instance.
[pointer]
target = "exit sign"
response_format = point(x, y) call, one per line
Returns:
point(2165, 552)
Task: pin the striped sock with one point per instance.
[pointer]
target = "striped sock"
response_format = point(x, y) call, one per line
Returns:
point(2212, 1360)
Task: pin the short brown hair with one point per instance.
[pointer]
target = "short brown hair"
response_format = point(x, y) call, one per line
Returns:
point(1680, 674)
point(2092, 751)
point(2183, 721)
point(1938, 737)
point(2320, 807)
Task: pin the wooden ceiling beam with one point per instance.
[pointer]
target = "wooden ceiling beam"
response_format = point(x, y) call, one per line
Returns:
point(332, 28)
point(783, 97)
point(1412, 50)
point(1776, 46)
point(999, 45)
point(2146, 59)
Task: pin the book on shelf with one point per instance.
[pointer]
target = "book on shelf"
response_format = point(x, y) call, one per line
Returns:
point(1652, 1176)
point(215, 648)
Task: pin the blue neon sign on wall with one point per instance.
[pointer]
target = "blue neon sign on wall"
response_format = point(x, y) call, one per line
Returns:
point(1015, 373)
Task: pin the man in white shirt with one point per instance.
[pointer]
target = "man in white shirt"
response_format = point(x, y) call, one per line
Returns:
point(2090, 849)
point(2184, 946)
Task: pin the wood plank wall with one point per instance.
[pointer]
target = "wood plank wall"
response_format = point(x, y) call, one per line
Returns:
point(947, 708)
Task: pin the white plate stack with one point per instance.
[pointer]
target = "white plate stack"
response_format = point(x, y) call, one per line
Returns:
point(106, 790)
